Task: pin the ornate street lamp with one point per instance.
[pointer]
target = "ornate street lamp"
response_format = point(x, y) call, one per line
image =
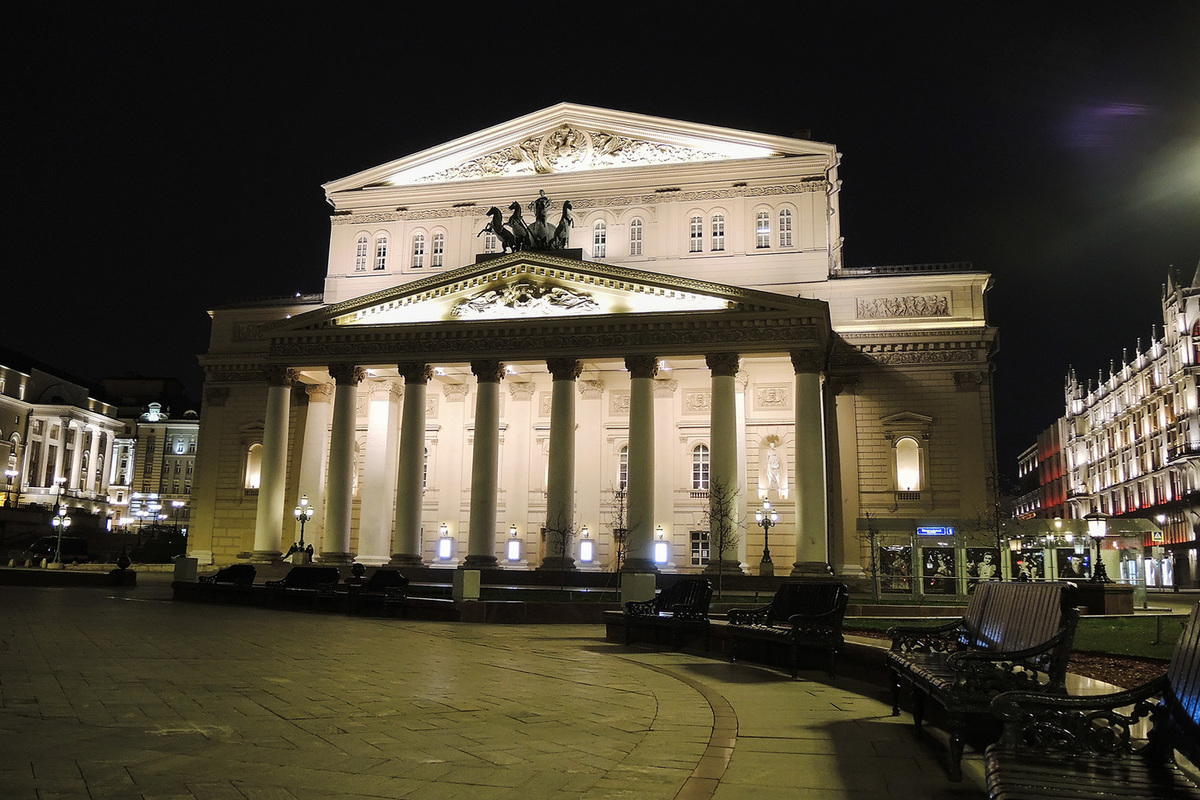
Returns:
point(10, 474)
point(767, 518)
point(1097, 529)
point(59, 522)
point(303, 512)
point(177, 505)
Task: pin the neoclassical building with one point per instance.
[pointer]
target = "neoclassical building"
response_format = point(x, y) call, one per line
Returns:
point(676, 340)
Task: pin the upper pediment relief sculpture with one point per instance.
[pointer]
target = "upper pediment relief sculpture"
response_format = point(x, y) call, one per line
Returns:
point(525, 298)
point(569, 149)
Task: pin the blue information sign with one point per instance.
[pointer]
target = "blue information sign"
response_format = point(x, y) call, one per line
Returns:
point(935, 531)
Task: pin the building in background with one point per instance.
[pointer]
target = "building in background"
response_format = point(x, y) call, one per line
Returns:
point(684, 342)
point(1131, 446)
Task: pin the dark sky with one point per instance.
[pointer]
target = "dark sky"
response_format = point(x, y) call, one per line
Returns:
point(167, 158)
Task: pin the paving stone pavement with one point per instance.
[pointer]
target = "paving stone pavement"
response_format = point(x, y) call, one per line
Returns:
point(125, 694)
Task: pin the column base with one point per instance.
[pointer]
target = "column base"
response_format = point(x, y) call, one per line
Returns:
point(406, 560)
point(727, 567)
point(639, 565)
point(265, 556)
point(336, 558)
point(812, 569)
point(479, 562)
point(854, 571)
point(557, 564)
point(766, 569)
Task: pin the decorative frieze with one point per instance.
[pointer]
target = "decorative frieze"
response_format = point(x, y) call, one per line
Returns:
point(697, 402)
point(772, 397)
point(912, 305)
point(618, 403)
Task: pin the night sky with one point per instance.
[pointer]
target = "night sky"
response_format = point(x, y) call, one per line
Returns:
point(165, 159)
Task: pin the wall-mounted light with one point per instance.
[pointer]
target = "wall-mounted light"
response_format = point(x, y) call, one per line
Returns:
point(587, 548)
point(662, 550)
point(514, 544)
point(445, 547)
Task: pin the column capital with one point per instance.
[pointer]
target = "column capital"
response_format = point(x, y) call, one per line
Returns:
point(564, 369)
point(216, 395)
point(488, 371)
point(415, 372)
point(347, 373)
point(279, 376)
point(384, 390)
point(843, 384)
point(591, 388)
point(642, 366)
point(968, 381)
point(723, 365)
point(319, 392)
point(807, 361)
point(520, 390)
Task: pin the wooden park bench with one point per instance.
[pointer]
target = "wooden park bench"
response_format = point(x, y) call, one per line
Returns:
point(233, 582)
point(386, 588)
point(803, 616)
point(1013, 636)
point(1088, 746)
point(307, 581)
point(682, 606)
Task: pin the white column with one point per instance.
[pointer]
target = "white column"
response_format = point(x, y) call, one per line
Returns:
point(560, 483)
point(640, 496)
point(485, 458)
point(268, 522)
point(339, 488)
point(451, 481)
point(595, 475)
point(378, 489)
point(313, 457)
point(520, 460)
point(742, 380)
point(88, 481)
point(409, 475)
point(974, 462)
point(59, 451)
point(73, 478)
point(724, 486)
point(812, 516)
point(848, 556)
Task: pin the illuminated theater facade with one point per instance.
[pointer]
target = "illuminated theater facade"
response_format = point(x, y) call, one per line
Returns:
point(691, 343)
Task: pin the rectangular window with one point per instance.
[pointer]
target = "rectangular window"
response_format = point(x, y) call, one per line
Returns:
point(439, 250)
point(699, 548)
point(697, 237)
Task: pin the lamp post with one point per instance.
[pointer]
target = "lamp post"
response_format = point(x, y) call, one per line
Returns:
point(10, 474)
point(59, 522)
point(767, 518)
point(1097, 529)
point(303, 512)
point(176, 505)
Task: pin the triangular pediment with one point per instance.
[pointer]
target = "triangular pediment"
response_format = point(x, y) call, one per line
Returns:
point(574, 138)
point(525, 286)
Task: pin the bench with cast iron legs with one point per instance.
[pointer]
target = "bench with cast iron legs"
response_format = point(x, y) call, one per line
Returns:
point(1088, 747)
point(1014, 636)
point(803, 615)
point(680, 607)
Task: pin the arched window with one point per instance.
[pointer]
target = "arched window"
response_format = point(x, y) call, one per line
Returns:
point(908, 465)
point(381, 252)
point(718, 232)
point(599, 239)
point(418, 251)
point(697, 235)
point(360, 254)
point(762, 226)
point(785, 228)
point(254, 466)
point(635, 237)
point(623, 468)
point(700, 468)
point(439, 250)
point(83, 470)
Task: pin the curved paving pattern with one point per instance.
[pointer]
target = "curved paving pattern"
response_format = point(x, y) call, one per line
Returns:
point(104, 695)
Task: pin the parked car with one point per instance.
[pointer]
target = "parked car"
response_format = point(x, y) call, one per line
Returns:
point(74, 549)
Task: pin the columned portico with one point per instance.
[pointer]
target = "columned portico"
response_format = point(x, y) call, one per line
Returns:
point(560, 482)
point(640, 503)
point(409, 481)
point(812, 513)
point(340, 486)
point(485, 459)
point(268, 523)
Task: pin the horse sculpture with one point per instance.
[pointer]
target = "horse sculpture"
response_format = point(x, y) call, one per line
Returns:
point(508, 242)
point(519, 228)
point(562, 234)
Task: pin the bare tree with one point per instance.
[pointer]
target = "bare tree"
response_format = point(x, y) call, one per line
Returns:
point(559, 534)
point(618, 522)
point(723, 526)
